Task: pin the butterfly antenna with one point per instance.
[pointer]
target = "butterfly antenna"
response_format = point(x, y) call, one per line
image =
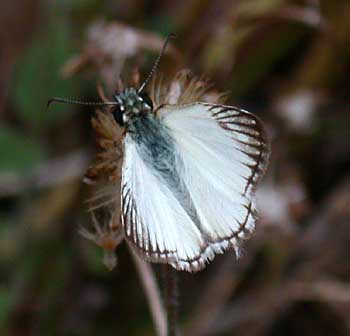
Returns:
point(77, 102)
point(156, 63)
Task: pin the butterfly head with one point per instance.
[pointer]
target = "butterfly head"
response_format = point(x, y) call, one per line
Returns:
point(130, 103)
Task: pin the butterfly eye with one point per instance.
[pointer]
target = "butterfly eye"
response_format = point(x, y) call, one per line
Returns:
point(118, 115)
point(147, 99)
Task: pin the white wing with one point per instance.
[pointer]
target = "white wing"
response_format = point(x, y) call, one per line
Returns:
point(222, 153)
point(152, 217)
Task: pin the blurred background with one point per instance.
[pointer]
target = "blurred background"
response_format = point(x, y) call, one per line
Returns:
point(286, 61)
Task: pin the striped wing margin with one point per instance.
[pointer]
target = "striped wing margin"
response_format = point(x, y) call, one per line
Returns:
point(139, 235)
point(249, 135)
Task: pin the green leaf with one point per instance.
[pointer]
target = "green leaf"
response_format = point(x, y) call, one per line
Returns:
point(19, 154)
point(268, 52)
point(37, 76)
point(7, 300)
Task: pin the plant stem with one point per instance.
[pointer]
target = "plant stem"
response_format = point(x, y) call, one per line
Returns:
point(152, 293)
point(171, 299)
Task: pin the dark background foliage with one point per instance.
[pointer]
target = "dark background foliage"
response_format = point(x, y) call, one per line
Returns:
point(287, 61)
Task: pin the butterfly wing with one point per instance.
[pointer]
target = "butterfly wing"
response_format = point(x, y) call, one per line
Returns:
point(153, 219)
point(222, 152)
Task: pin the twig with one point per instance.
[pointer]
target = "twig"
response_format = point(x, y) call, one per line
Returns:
point(262, 312)
point(309, 16)
point(171, 299)
point(152, 292)
point(48, 174)
point(216, 293)
point(259, 309)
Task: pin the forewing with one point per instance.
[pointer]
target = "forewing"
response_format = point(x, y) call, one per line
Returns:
point(223, 152)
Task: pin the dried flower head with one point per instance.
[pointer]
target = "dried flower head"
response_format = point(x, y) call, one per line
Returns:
point(106, 234)
point(184, 89)
point(104, 175)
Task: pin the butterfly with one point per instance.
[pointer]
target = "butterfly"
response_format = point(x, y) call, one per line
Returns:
point(189, 175)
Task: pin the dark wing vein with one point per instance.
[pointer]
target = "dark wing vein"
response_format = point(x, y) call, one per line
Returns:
point(255, 145)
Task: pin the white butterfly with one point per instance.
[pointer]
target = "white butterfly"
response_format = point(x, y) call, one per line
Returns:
point(188, 177)
point(188, 181)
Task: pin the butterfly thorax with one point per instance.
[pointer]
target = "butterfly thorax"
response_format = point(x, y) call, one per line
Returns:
point(157, 148)
point(130, 104)
point(154, 142)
